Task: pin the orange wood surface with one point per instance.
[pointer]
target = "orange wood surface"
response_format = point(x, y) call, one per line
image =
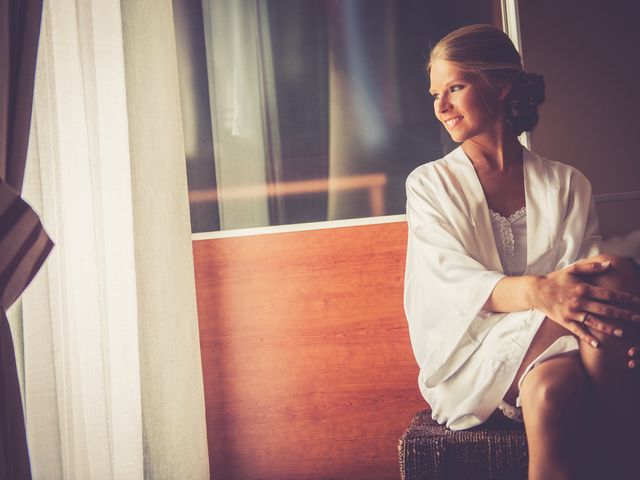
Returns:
point(307, 364)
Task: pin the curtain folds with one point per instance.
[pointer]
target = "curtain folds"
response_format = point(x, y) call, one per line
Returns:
point(175, 443)
point(19, 29)
point(80, 335)
point(24, 245)
point(112, 374)
point(243, 108)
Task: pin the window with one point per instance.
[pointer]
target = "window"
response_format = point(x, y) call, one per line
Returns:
point(302, 111)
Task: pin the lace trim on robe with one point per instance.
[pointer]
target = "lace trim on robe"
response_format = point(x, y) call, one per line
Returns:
point(504, 237)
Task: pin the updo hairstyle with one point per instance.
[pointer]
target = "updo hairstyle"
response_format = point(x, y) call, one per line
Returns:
point(488, 51)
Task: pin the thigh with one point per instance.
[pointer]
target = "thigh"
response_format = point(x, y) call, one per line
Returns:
point(607, 365)
point(548, 333)
point(616, 387)
point(557, 408)
point(556, 386)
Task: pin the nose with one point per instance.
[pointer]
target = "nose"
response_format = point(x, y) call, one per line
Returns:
point(442, 104)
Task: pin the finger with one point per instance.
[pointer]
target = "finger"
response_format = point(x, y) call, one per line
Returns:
point(632, 364)
point(598, 324)
point(576, 327)
point(589, 268)
point(609, 311)
point(634, 352)
point(600, 293)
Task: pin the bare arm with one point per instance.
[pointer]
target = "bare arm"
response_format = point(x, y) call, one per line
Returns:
point(513, 294)
point(566, 299)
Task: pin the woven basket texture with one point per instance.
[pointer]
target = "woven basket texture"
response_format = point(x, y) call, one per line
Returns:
point(495, 450)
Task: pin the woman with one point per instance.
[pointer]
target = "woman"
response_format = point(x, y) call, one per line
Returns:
point(511, 304)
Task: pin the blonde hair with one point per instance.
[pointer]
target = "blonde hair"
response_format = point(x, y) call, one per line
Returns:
point(488, 52)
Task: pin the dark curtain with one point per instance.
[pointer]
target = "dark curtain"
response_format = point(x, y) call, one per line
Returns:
point(24, 244)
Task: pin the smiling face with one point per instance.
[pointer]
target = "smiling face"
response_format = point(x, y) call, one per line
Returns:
point(466, 105)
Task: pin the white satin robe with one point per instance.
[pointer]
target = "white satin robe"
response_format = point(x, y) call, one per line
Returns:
point(468, 357)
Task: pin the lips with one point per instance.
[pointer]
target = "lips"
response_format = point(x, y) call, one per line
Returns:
point(452, 122)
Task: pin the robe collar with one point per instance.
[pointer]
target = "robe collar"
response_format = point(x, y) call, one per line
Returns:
point(537, 203)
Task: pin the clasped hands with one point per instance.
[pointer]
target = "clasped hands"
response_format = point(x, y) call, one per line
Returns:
point(571, 302)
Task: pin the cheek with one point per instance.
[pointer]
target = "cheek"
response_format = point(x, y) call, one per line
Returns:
point(482, 108)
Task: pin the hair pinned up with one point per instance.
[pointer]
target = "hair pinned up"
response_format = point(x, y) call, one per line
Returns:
point(488, 51)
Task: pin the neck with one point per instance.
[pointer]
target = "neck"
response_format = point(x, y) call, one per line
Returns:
point(499, 151)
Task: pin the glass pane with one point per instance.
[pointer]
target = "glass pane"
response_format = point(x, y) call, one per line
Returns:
point(303, 111)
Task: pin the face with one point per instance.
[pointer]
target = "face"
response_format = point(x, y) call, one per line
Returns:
point(466, 105)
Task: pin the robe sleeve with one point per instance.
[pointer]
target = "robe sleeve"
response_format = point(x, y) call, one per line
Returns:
point(581, 237)
point(592, 242)
point(445, 286)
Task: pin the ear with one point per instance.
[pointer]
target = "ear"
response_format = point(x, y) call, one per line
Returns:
point(504, 91)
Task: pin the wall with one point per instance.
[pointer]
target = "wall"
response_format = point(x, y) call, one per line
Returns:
point(307, 364)
point(587, 52)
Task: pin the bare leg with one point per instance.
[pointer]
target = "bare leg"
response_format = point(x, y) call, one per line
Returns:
point(603, 389)
point(616, 387)
point(548, 333)
point(556, 405)
point(553, 453)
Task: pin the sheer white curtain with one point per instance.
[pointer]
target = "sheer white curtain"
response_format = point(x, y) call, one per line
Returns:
point(111, 361)
point(244, 109)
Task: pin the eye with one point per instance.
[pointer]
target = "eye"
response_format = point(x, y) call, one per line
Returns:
point(455, 88)
point(434, 96)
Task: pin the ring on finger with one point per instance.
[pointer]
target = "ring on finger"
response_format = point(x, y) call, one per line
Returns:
point(585, 315)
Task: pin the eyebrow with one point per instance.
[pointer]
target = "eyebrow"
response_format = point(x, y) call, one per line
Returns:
point(448, 84)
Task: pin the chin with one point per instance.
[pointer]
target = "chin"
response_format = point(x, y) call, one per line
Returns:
point(463, 134)
point(458, 138)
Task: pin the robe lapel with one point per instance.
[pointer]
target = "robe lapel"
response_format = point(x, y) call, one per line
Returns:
point(538, 200)
point(478, 210)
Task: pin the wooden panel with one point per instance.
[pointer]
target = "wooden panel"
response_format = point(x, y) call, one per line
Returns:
point(307, 363)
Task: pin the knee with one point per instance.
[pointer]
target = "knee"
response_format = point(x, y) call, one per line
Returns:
point(622, 274)
point(550, 396)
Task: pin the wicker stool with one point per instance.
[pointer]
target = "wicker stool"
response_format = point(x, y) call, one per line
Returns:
point(495, 450)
